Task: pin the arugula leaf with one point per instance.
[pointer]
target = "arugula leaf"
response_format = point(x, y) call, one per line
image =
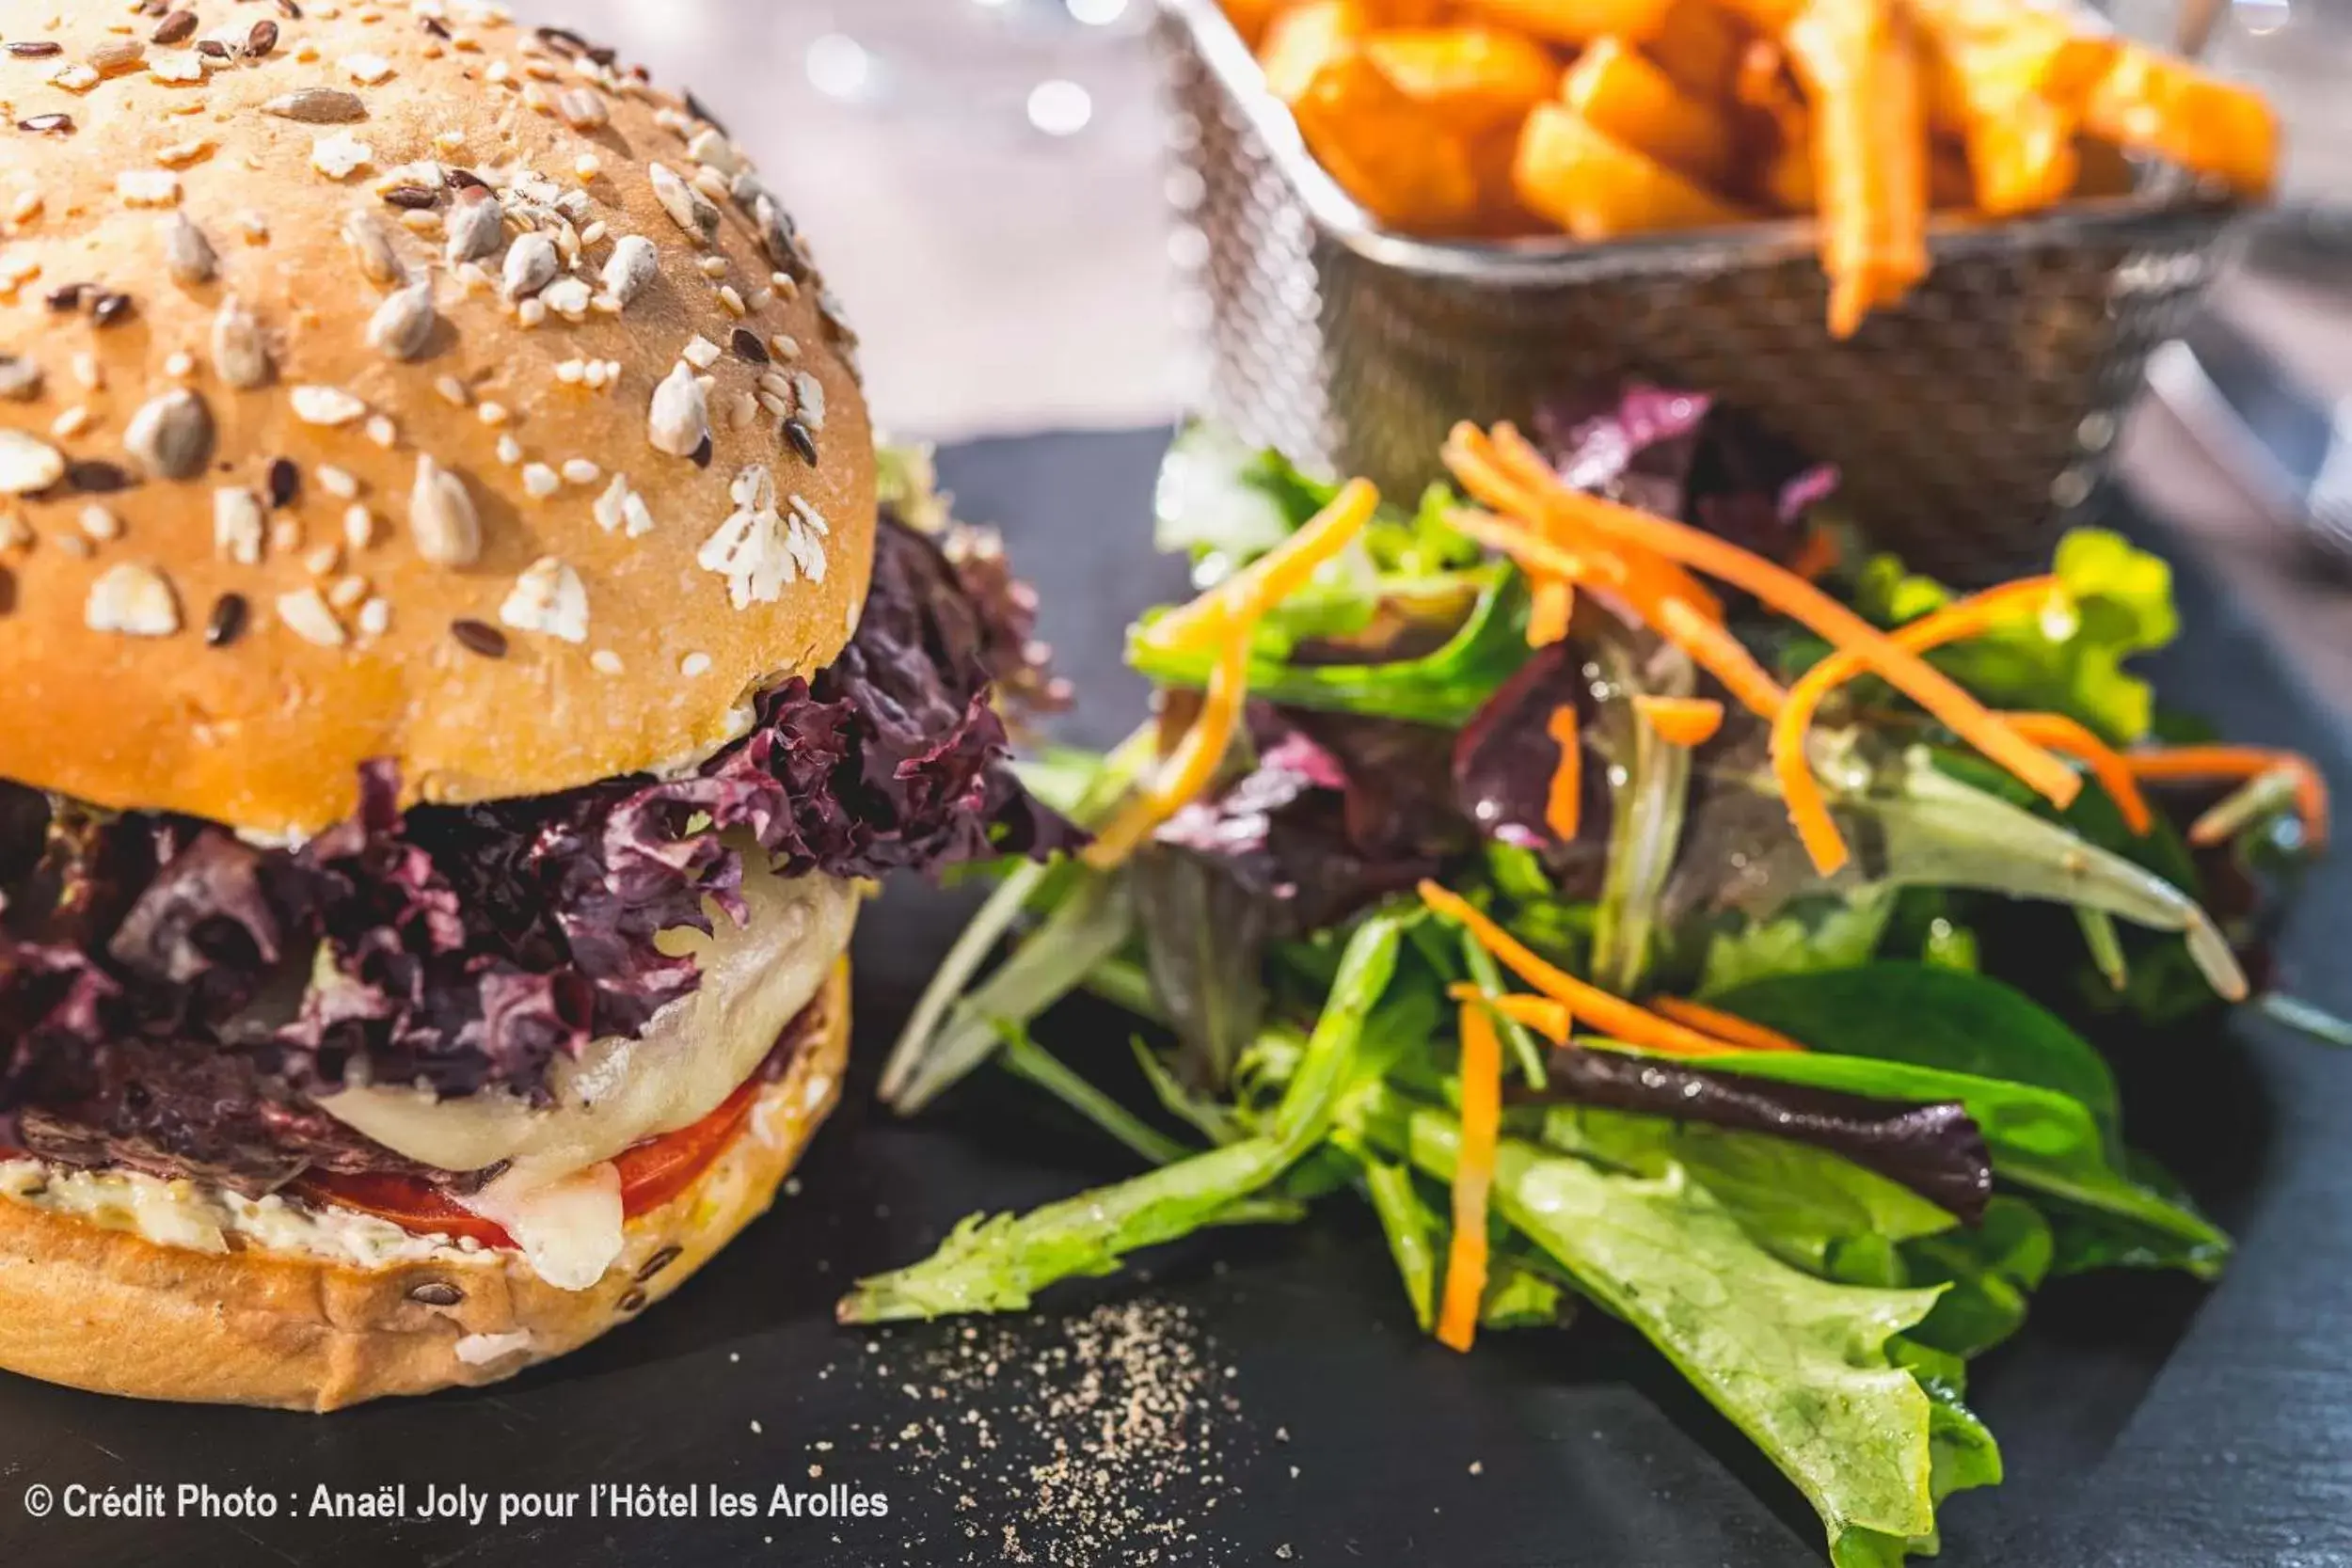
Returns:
point(2122, 606)
point(996, 1263)
point(1991, 1271)
point(1935, 1017)
point(1798, 1364)
point(1447, 686)
point(1204, 937)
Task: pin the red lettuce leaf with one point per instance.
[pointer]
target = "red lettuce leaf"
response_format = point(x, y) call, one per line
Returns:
point(473, 947)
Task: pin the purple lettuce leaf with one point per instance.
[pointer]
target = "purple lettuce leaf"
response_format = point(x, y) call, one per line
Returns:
point(468, 947)
point(1683, 456)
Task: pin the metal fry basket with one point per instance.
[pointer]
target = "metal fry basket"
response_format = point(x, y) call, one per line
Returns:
point(1972, 423)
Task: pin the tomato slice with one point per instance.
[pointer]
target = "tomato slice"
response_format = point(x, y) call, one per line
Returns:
point(652, 1173)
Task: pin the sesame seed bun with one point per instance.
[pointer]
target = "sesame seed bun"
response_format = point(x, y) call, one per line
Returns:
point(401, 383)
point(107, 1310)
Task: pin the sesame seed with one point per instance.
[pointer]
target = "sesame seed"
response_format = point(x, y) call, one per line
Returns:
point(733, 301)
point(605, 662)
point(72, 544)
point(323, 560)
point(69, 424)
point(375, 617)
point(382, 431)
point(492, 413)
point(306, 614)
point(693, 665)
point(227, 622)
point(477, 636)
point(347, 593)
point(340, 483)
point(89, 371)
point(571, 371)
point(567, 297)
point(452, 391)
point(100, 524)
point(540, 481)
point(713, 266)
point(510, 451)
point(579, 471)
point(785, 347)
point(358, 527)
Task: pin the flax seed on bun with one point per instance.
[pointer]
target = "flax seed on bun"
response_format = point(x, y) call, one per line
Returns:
point(399, 383)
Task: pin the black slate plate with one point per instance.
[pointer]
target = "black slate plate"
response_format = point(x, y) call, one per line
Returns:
point(1286, 1410)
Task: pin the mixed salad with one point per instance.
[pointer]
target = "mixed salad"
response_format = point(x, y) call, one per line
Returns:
point(1643, 898)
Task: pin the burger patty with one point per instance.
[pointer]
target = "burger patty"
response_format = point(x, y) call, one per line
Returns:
point(173, 997)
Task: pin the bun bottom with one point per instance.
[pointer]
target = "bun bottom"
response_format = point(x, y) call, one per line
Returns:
point(106, 1310)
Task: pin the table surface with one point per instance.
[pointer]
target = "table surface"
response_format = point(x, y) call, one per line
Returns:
point(1260, 1397)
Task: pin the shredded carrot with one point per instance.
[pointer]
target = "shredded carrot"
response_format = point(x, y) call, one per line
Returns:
point(2242, 762)
point(1808, 807)
point(1818, 557)
point(1800, 601)
point(2069, 738)
point(1553, 607)
point(1563, 804)
point(1473, 1178)
point(1543, 1014)
point(1723, 1025)
point(1227, 618)
point(1613, 1015)
point(1681, 720)
point(1537, 555)
point(1722, 656)
point(1240, 599)
point(1658, 578)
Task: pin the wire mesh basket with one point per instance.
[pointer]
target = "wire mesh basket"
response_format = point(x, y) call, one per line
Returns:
point(1971, 424)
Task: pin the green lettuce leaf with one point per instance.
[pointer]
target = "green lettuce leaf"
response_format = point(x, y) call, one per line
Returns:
point(1446, 687)
point(2040, 1139)
point(997, 1264)
point(2123, 599)
point(1991, 1271)
point(1800, 1364)
point(1934, 1017)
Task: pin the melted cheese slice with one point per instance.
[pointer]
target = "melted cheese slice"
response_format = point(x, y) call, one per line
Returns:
point(692, 1054)
point(569, 1228)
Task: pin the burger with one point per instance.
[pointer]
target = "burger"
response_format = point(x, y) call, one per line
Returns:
point(456, 683)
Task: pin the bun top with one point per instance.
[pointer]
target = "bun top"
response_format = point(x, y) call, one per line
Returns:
point(394, 381)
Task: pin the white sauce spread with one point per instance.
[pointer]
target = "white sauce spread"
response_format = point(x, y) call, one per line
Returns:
point(205, 1218)
point(692, 1054)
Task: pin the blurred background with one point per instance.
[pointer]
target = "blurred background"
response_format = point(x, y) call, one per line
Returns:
point(986, 183)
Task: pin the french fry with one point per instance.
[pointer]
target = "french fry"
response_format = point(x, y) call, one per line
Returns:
point(2150, 104)
point(1575, 22)
point(1787, 179)
point(1697, 45)
point(1770, 17)
point(1476, 78)
point(1386, 150)
point(2010, 79)
point(1300, 40)
point(1622, 95)
point(1384, 14)
point(1597, 188)
point(1501, 215)
point(2105, 169)
point(1249, 17)
point(1859, 61)
point(1951, 183)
